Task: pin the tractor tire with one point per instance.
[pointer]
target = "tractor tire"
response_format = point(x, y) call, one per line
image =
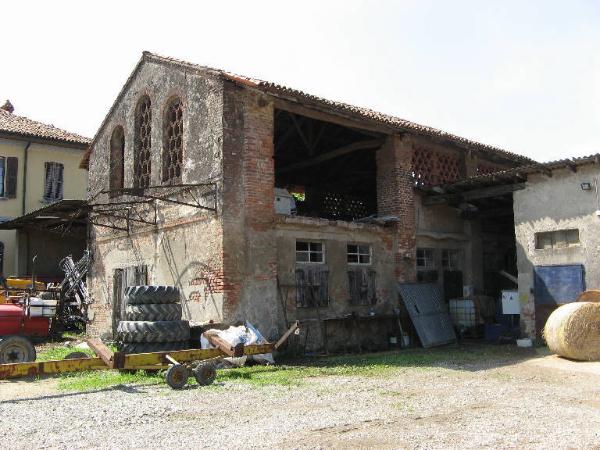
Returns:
point(142, 295)
point(16, 349)
point(143, 347)
point(153, 312)
point(159, 331)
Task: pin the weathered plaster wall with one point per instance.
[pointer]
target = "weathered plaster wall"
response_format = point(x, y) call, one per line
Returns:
point(441, 227)
point(549, 204)
point(185, 247)
point(334, 235)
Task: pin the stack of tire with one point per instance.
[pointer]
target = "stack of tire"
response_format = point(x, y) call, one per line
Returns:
point(153, 322)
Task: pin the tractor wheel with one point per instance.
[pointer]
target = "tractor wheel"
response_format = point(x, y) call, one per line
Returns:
point(205, 373)
point(160, 331)
point(154, 311)
point(16, 349)
point(142, 295)
point(177, 376)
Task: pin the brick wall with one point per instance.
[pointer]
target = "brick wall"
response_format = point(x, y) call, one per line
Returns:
point(250, 264)
point(395, 196)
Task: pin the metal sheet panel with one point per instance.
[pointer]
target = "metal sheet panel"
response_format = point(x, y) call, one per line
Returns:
point(554, 285)
point(428, 312)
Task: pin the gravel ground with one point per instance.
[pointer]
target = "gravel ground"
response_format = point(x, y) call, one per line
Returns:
point(537, 403)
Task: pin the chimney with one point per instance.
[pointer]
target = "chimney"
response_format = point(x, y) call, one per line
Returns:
point(8, 107)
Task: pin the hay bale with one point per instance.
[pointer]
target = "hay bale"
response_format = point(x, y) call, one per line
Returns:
point(592, 295)
point(573, 331)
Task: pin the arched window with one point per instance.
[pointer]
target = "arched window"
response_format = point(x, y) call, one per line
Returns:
point(172, 155)
point(117, 160)
point(143, 143)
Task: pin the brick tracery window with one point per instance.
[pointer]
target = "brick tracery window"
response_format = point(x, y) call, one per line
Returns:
point(117, 161)
point(143, 143)
point(173, 142)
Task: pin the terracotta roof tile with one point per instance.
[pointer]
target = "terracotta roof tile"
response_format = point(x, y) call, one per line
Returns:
point(14, 124)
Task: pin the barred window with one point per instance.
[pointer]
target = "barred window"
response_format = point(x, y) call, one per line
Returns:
point(143, 143)
point(117, 160)
point(173, 142)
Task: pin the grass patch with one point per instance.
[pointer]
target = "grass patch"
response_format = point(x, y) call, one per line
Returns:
point(297, 372)
point(55, 353)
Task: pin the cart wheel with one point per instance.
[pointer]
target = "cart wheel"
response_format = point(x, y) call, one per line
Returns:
point(76, 355)
point(205, 373)
point(177, 376)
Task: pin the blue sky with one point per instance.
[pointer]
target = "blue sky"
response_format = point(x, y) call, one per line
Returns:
point(521, 75)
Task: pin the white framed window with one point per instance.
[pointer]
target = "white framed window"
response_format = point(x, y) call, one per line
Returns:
point(310, 252)
point(425, 258)
point(359, 253)
point(53, 185)
point(451, 259)
point(556, 239)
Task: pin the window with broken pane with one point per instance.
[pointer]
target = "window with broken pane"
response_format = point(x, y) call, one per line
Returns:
point(143, 143)
point(173, 142)
point(359, 254)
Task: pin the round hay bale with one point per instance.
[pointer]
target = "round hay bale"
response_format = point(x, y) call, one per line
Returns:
point(573, 331)
point(592, 295)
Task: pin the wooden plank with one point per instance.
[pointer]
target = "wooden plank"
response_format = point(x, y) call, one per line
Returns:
point(286, 335)
point(223, 345)
point(361, 145)
point(103, 352)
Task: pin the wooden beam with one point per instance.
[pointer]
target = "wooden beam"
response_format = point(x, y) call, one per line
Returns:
point(361, 145)
point(114, 360)
point(286, 335)
point(492, 191)
point(475, 194)
point(334, 117)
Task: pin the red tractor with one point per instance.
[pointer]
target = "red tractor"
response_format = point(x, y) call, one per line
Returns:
point(18, 329)
point(32, 310)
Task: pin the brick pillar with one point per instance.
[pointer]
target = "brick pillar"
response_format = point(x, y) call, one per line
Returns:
point(395, 197)
point(249, 248)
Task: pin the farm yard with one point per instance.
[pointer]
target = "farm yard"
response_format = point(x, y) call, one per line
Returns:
point(466, 396)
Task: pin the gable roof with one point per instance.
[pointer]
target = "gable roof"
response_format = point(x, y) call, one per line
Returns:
point(15, 125)
point(287, 93)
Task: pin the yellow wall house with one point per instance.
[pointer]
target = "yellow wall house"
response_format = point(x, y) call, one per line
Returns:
point(39, 166)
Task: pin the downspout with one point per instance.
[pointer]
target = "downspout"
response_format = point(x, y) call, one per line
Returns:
point(24, 203)
point(25, 157)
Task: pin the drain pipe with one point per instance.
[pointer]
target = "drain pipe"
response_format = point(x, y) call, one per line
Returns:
point(25, 157)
